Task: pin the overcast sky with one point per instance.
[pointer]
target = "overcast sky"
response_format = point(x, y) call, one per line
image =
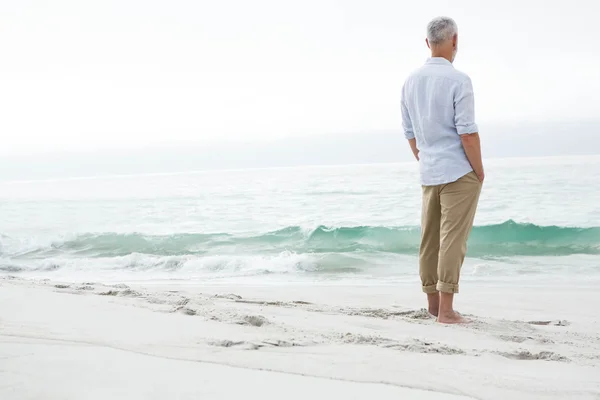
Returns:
point(88, 74)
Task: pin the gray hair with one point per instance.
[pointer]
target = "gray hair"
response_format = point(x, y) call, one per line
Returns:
point(441, 29)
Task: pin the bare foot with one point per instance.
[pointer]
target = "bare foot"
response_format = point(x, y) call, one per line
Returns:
point(452, 317)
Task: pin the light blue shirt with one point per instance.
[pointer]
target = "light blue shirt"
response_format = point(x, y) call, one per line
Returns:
point(438, 107)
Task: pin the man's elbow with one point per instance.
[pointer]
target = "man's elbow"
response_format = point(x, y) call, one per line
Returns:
point(470, 139)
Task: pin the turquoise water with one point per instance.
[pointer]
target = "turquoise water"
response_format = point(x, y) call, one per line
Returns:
point(537, 217)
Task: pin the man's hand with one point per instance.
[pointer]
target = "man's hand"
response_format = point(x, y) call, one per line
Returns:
point(481, 176)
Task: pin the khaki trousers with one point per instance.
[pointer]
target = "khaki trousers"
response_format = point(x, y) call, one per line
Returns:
point(447, 220)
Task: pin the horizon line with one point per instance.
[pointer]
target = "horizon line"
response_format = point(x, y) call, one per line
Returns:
point(288, 167)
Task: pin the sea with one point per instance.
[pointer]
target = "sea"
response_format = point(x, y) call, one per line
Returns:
point(538, 221)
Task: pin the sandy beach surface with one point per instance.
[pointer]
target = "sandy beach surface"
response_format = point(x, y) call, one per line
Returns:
point(269, 341)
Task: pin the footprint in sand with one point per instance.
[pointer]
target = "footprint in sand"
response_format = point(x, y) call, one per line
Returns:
point(553, 323)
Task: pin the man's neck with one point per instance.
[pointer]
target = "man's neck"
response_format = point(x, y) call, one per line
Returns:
point(441, 55)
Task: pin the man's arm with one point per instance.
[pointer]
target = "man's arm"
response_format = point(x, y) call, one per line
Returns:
point(408, 128)
point(413, 146)
point(464, 119)
point(472, 146)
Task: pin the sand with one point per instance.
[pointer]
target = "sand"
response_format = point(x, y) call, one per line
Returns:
point(294, 341)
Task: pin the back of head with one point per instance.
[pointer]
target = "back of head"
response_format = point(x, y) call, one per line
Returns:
point(442, 38)
point(440, 30)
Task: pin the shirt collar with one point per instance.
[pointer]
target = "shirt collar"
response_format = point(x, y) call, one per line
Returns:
point(438, 61)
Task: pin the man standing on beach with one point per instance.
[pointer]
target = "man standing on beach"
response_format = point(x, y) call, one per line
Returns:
point(439, 123)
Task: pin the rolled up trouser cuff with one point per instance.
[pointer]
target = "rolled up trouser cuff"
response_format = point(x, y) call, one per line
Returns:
point(429, 289)
point(447, 287)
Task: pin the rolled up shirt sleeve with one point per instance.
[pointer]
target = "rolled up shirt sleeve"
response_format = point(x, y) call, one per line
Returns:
point(406, 122)
point(464, 109)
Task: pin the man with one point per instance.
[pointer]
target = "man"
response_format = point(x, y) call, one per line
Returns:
point(439, 123)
